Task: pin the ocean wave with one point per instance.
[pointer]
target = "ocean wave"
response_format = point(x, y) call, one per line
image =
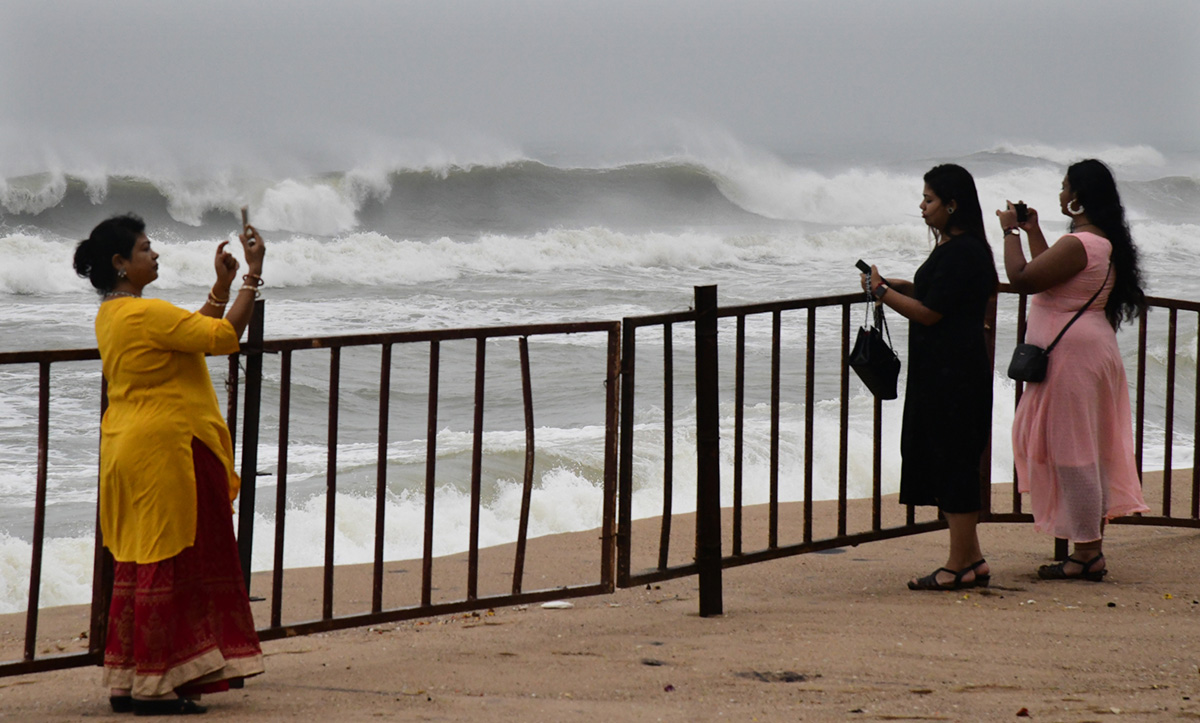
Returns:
point(1116, 156)
point(713, 186)
point(37, 266)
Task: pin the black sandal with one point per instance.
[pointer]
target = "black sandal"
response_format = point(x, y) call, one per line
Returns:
point(121, 703)
point(981, 579)
point(930, 581)
point(170, 706)
point(1058, 571)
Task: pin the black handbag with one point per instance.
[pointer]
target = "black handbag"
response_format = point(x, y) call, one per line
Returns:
point(1028, 364)
point(873, 359)
point(1030, 361)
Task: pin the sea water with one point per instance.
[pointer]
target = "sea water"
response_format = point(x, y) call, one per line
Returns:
point(520, 239)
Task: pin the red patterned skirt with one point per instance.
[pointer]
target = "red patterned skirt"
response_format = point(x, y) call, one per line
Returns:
point(184, 624)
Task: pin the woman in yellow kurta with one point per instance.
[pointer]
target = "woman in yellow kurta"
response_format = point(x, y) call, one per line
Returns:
point(180, 622)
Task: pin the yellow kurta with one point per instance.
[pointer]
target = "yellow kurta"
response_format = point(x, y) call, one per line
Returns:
point(159, 397)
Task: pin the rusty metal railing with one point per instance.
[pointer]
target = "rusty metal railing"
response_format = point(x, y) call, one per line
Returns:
point(251, 385)
point(288, 348)
point(817, 529)
point(840, 534)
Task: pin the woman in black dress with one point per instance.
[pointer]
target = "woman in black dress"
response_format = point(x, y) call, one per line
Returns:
point(948, 398)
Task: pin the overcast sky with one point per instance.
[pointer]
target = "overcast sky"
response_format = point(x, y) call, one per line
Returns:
point(81, 78)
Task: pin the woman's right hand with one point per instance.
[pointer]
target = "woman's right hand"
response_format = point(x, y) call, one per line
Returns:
point(1008, 217)
point(1031, 219)
point(254, 248)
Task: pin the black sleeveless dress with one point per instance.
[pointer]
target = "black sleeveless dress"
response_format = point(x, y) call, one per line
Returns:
point(948, 398)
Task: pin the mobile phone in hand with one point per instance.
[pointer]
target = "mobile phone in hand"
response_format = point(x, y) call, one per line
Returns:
point(1022, 211)
point(863, 266)
point(246, 224)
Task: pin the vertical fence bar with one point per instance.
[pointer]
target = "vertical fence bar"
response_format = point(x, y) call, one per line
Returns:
point(527, 487)
point(102, 564)
point(708, 454)
point(1018, 389)
point(430, 473)
point(335, 370)
point(1169, 413)
point(773, 502)
point(985, 463)
point(625, 455)
point(1196, 433)
point(612, 383)
point(739, 430)
point(281, 481)
point(1140, 407)
point(476, 473)
point(664, 540)
point(39, 510)
point(844, 424)
point(231, 395)
point(810, 372)
point(877, 466)
point(385, 397)
point(252, 350)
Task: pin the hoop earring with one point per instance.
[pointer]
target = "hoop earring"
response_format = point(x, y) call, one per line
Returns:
point(120, 273)
point(1073, 202)
point(950, 210)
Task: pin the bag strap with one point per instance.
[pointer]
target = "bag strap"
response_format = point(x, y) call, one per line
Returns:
point(1082, 309)
point(881, 320)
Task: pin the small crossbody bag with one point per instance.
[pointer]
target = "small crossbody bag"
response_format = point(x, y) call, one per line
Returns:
point(1029, 361)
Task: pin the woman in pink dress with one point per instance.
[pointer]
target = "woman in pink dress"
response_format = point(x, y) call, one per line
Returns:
point(1073, 433)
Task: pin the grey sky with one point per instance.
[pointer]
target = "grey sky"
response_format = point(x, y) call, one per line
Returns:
point(337, 78)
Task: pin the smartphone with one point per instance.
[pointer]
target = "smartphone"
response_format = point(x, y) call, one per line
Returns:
point(1022, 211)
point(246, 223)
point(863, 266)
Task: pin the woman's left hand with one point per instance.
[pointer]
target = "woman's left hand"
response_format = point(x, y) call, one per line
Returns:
point(226, 266)
point(876, 278)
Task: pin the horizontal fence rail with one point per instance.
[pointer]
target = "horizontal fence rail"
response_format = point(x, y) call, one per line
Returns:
point(807, 526)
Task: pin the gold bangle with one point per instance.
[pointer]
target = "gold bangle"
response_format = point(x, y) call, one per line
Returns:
point(257, 293)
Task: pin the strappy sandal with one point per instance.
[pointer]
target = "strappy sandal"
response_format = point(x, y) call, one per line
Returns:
point(930, 581)
point(982, 579)
point(1058, 571)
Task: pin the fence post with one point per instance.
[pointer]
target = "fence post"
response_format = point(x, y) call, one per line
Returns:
point(708, 454)
point(252, 351)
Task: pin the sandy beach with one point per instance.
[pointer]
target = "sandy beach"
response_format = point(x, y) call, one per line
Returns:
point(830, 636)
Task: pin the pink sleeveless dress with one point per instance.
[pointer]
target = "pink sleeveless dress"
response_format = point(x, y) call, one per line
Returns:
point(1073, 432)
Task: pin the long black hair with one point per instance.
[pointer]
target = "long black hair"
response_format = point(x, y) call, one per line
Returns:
point(1096, 191)
point(954, 184)
point(112, 237)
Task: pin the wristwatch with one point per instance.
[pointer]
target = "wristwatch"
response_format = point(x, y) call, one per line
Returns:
point(1014, 230)
point(880, 291)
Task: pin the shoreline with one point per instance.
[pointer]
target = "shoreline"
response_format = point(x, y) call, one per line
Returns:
point(823, 636)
